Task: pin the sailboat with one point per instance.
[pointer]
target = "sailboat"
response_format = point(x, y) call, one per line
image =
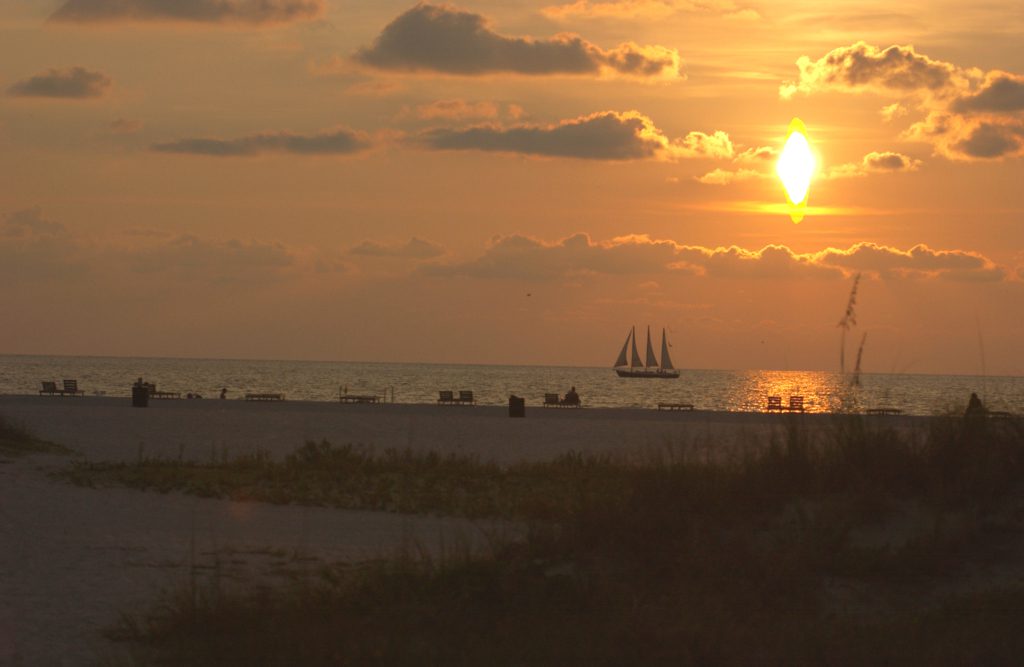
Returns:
point(632, 367)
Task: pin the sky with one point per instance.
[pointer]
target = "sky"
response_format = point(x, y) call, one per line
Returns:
point(513, 182)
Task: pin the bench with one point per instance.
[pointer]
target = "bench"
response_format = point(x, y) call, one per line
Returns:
point(675, 406)
point(1000, 414)
point(71, 388)
point(554, 401)
point(164, 394)
point(884, 411)
point(264, 397)
point(50, 388)
point(358, 398)
point(796, 404)
point(449, 398)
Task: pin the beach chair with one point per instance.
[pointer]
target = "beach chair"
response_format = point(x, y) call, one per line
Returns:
point(49, 388)
point(774, 403)
point(796, 404)
point(551, 400)
point(466, 398)
point(71, 387)
point(446, 398)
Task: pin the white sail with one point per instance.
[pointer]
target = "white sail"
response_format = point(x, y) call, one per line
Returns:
point(623, 360)
point(635, 361)
point(666, 361)
point(652, 361)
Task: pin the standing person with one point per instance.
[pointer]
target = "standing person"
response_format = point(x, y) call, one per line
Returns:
point(224, 392)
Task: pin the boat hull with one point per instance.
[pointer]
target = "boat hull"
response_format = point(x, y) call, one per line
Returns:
point(642, 373)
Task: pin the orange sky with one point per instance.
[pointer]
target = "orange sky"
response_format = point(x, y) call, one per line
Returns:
point(514, 182)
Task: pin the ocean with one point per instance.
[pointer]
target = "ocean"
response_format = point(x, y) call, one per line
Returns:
point(730, 390)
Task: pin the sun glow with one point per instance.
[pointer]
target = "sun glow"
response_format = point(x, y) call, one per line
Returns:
point(795, 168)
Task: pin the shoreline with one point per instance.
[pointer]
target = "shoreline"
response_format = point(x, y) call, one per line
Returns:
point(110, 429)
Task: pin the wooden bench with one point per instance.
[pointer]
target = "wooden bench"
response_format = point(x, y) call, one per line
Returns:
point(675, 406)
point(359, 398)
point(554, 401)
point(153, 393)
point(50, 388)
point(264, 397)
point(466, 398)
point(71, 389)
point(796, 404)
point(883, 411)
point(449, 398)
point(1000, 414)
point(446, 398)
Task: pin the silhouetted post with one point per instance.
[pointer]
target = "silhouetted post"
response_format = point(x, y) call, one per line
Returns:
point(516, 406)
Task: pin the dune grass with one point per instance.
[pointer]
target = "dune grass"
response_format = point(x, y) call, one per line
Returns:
point(795, 552)
point(18, 441)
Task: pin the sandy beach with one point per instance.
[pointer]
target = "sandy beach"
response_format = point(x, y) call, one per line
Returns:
point(74, 558)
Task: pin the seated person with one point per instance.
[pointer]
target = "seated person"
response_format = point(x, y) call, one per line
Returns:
point(572, 398)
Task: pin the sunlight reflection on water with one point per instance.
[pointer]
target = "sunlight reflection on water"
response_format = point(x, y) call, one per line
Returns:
point(599, 387)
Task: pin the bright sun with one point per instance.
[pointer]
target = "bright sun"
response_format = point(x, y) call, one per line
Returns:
point(795, 168)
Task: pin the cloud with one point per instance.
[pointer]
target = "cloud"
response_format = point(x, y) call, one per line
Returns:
point(34, 249)
point(200, 11)
point(189, 257)
point(647, 9)
point(891, 112)
point(414, 248)
point(862, 66)
point(605, 135)
point(456, 110)
point(721, 176)
point(524, 258)
point(969, 114)
point(72, 83)
point(918, 261)
point(336, 142)
point(1001, 92)
point(886, 162)
point(446, 40)
point(29, 223)
point(125, 126)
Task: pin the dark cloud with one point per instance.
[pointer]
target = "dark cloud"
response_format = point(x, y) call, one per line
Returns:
point(605, 135)
point(991, 141)
point(524, 258)
point(919, 261)
point(969, 114)
point(338, 142)
point(862, 65)
point(1002, 94)
point(886, 162)
point(602, 136)
point(444, 39)
point(73, 83)
point(206, 11)
point(34, 250)
point(414, 248)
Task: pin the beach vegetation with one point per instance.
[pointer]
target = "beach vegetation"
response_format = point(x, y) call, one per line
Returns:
point(16, 440)
point(845, 547)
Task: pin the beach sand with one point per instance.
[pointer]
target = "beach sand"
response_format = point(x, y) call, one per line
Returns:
point(74, 558)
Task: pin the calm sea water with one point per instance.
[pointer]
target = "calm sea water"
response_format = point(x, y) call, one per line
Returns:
point(598, 387)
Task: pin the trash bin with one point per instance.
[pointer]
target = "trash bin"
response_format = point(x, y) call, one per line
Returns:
point(516, 406)
point(140, 396)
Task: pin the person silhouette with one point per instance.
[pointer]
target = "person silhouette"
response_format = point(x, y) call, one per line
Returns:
point(224, 392)
point(571, 397)
point(974, 406)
